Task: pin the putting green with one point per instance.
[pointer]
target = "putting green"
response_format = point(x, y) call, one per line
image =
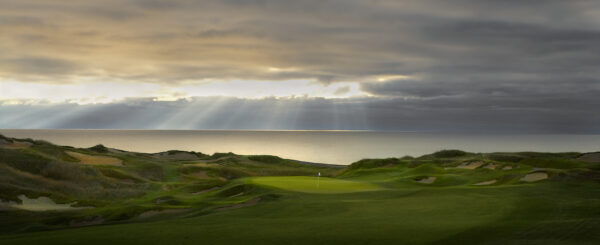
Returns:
point(314, 184)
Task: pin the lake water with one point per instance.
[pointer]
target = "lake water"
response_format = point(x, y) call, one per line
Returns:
point(335, 147)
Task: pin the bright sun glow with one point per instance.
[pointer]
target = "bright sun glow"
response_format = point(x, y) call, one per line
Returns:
point(385, 78)
point(14, 92)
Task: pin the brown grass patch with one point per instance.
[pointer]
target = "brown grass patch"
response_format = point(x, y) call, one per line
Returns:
point(199, 174)
point(95, 160)
point(590, 157)
point(17, 145)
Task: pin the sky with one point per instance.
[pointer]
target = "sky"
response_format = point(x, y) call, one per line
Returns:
point(520, 66)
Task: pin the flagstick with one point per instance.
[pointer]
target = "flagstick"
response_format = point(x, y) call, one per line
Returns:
point(318, 179)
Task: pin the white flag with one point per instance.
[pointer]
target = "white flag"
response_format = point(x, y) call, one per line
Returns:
point(319, 173)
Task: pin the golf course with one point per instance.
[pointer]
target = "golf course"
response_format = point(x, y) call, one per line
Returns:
point(51, 194)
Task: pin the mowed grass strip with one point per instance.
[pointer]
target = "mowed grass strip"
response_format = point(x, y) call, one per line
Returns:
point(314, 184)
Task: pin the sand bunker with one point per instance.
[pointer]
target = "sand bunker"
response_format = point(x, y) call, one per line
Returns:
point(470, 165)
point(427, 180)
point(252, 202)
point(507, 168)
point(95, 160)
point(41, 204)
point(489, 182)
point(532, 177)
point(491, 166)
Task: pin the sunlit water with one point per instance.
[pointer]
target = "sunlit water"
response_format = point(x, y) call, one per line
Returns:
point(336, 147)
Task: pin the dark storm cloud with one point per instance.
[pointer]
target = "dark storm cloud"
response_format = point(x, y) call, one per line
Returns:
point(39, 65)
point(512, 47)
point(492, 62)
point(325, 40)
point(521, 87)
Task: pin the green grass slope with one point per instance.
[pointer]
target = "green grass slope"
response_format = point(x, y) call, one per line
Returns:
point(314, 184)
point(179, 197)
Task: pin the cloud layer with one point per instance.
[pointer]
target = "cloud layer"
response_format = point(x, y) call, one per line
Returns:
point(175, 41)
point(495, 63)
point(445, 114)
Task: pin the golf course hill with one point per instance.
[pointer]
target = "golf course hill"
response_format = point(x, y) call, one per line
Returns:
point(52, 194)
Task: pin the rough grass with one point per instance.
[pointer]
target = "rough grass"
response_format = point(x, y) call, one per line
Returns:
point(449, 153)
point(553, 163)
point(523, 214)
point(374, 163)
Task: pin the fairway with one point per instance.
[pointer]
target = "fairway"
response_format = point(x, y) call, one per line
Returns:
point(314, 184)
